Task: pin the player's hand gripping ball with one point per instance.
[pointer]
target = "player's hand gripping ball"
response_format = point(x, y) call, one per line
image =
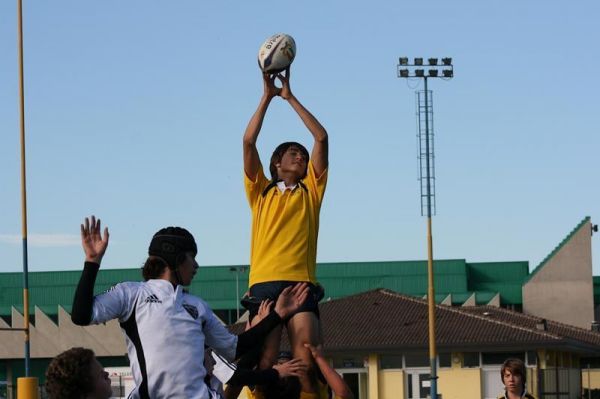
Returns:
point(276, 53)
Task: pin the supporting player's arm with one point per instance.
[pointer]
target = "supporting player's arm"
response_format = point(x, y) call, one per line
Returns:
point(334, 380)
point(251, 158)
point(287, 303)
point(94, 246)
point(320, 151)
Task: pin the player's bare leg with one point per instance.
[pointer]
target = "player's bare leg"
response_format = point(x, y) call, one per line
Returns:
point(305, 328)
point(271, 349)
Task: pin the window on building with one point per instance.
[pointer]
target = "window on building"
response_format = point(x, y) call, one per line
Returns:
point(531, 358)
point(416, 360)
point(445, 359)
point(348, 362)
point(471, 359)
point(390, 361)
point(591, 362)
point(496, 358)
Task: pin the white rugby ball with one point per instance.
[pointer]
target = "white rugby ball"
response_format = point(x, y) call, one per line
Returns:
point(276, 53)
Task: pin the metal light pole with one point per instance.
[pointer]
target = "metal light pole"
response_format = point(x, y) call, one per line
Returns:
point(27, 387)
point(23, 188)
point(237, 270)
point(427, 177)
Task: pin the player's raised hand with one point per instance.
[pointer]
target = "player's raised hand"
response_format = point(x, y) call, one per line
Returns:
point(291, 299)
point(269, 86)
point(93, 243)
point(286, 90)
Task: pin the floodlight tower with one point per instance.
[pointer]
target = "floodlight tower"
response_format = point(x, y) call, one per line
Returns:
point(427, 175)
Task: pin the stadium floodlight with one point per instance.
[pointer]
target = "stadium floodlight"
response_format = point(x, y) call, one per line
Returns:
point(427, 180)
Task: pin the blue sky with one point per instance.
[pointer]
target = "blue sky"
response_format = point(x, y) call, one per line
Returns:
point(135, 112)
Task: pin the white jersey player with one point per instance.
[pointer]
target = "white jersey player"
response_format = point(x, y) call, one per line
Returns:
point(166, 328)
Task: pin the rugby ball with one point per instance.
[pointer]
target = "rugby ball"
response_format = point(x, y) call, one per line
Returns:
point(276, 53)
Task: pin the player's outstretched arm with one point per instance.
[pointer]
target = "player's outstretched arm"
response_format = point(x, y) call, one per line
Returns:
point(94, 245)
point(251, 158)
point(320, 151)
point(334, 380)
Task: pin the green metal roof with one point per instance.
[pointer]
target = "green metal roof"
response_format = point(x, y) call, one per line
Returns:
point(507, 278)
point(407, 277)
point(558, 247)
point(48, 290)
point(217, 284)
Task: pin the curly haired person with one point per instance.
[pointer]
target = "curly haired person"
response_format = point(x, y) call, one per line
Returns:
point(77, 374)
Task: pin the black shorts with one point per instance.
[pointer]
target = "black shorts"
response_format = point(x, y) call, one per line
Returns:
point(271, 290)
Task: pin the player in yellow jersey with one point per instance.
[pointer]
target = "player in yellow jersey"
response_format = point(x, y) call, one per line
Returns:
point(285, 223)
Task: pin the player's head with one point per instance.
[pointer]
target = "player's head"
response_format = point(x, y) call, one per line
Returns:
point(76, 374)
point(173, 248)
point(289, 157)
point(513, 374)
point(287, 387)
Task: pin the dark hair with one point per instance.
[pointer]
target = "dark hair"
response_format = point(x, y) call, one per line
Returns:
point(68, 375)
point(516, 367)
point(153, 268)
point(278, 154)
point(171, 245)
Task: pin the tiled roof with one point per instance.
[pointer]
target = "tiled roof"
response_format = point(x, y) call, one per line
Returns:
point(385, 320)
point(529, 321)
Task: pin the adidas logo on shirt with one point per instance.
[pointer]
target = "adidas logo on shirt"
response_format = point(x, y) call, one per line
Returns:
point(152, 299)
